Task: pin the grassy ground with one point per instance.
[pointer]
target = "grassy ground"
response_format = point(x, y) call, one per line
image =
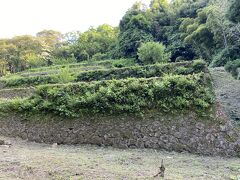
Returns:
point(25, 160)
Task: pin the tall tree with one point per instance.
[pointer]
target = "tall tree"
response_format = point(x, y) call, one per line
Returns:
point(96, 40)
point(183, 14)
point(21, 52)
point(160, 20)
point(135, 28)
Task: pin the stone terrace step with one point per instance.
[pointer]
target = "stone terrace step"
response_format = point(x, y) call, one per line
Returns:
point(16, 93)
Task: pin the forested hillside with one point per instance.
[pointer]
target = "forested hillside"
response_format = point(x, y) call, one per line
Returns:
point(184, 29)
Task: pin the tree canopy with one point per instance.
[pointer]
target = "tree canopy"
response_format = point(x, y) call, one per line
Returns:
point(189, 29)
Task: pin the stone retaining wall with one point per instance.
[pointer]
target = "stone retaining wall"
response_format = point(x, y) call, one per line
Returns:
point(183, 133)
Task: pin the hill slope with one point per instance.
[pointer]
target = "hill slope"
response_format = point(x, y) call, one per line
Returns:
point(227, 91)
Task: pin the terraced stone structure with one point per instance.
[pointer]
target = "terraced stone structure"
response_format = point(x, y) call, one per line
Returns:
point(175, 112)
point(179, 133)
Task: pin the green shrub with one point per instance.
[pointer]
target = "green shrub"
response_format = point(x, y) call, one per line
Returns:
point(233, 67)
point(18, 105)
point(100, 56)
point(172, 93)
point(199, 65)
point(64, 76)
point(152, 52)
point(34, 61)
point(225, 56)
point(83, 56)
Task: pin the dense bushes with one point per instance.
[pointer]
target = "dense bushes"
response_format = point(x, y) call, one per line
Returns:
point(225, 56)
point(143, 71)
point(173, 93)
point(104, 63)
point(121, 73)
point(234, 14)
point(152, 52)
point(100, 56)
point(234, 68)
point(64, 76)
point(167, 88)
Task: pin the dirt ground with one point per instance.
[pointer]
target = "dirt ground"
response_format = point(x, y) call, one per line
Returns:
point(28, 160)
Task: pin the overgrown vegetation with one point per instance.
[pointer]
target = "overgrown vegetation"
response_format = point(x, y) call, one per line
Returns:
point(157, 70)
point(234, 68)
point(146, 63)
point(107, 74)
point(172, 93)
point(152, 52)
point(104, 63)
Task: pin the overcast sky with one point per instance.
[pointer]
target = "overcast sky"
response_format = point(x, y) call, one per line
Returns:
point(18, 17)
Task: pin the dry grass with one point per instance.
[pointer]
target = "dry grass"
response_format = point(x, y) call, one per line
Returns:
point(25, 160)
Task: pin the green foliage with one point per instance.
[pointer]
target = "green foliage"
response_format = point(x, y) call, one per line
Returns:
point(103, 63)
point(100, 56)
point(31, 81)
point(124, 63)
point(63, 52)
point(134, 29)
point(100, 40)
point(20, 52)
point(141, 71)
point(234, 13)
point(23, 52)
point(202, 38)
point(225, 56)
point(152, 52)
point(189, 8)
point(50, 38)
point(234, 68)
point(18, 105)
point(62, 61)
point(199, 65)
point(3, 68)
point(64, 76)
point(157, 70)
point(186, 29)
point(202, 26)
point(82, 55)
point(160, 16)
point(183, 22)
point(172, 93)
point(189, 29)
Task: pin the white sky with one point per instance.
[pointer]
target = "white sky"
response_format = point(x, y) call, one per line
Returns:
point(18, 17)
